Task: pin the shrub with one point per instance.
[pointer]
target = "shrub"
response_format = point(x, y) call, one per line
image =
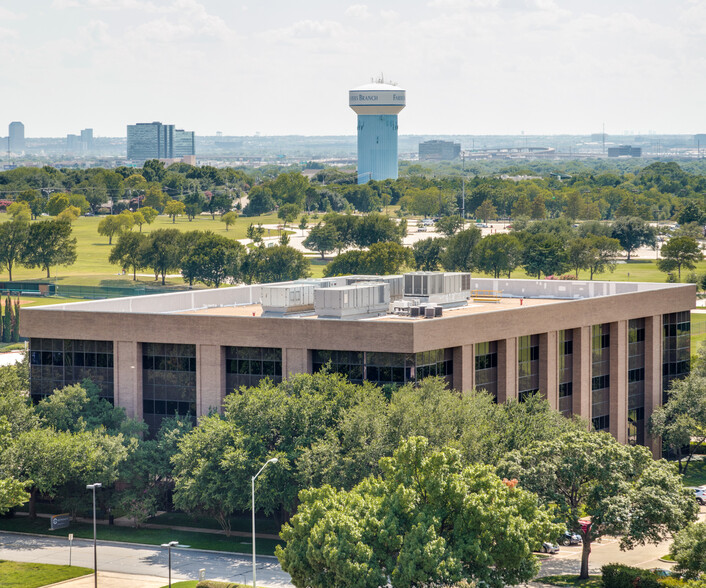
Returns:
point(620, 576)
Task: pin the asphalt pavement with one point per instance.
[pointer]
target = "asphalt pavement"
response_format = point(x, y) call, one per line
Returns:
point(143, 560)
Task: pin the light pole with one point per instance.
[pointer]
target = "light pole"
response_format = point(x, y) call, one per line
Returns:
point(95, 552)
point(169, 550)
point(254, 562)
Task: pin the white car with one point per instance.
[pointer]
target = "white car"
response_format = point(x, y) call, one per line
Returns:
point(699, 494)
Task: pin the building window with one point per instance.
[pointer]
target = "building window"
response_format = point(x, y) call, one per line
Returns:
point(636, 382)
point(676, 346)
point(527, 366)
point(600, 381)
point(55, 363)
point(486, 373)
point(566, 371)
point(168, 382)
point(246, 366)
point(384, 368)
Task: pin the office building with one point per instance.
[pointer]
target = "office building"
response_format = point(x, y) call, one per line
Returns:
point(624, 151)
point(605, 351)
point(16, 138)
point(439, 150)
point(377, 106)
point(157, 141)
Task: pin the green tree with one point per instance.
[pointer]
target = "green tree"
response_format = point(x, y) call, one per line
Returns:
point(322, 238)
point(154, 198)
point(543, 253)
point(689, 551)
point(679, 252)
point(113, 225)
point(522, 207)
point(385, 259)
point(229, 218)
point(590, 474)
point(163, 252)
point(633, 232)
point(498, 253)
point(7, 321)
point(20, 211)
point(69, 214)
point(414, 526)
point(13, 241)
point(255, 233)
point(57, 203)
point(129, 252)
point(449, 225)
point(578, 254)
point(149, 214)
point(427, 254)
point(211, 258)
point(459, 255)
point(345, 264)
point(12, 491)
point(33, 198)
point(174, 208)
point(50, 243)
point(260, 201)
point(275, 264)
point(376, 228)
point(288, 213)
point(681, 422)
point(208, 471)
point(290, 188)
point(139, 219)
point(486, 210)
point(602, 253)
point(691, 213)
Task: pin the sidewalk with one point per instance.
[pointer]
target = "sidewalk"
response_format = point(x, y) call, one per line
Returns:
point(112, 580)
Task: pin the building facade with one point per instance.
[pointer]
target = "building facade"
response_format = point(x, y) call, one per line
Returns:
point(377, 106)
point(439, 150)
point(605, 351)
point(624, 151)
point(16, 138)
point(158, 141)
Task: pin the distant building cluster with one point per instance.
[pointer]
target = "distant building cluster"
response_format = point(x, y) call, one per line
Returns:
point(439, 150)
point(158, 141)
point(16, 138)
point(82, 143)
point(624, 151)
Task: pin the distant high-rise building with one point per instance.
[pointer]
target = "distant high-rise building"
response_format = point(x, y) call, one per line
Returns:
point(157, 141)
point(16, 138)
point(377, 106)
point(624, 151)
point(73, 143)
point(82, 143)
point(439, 150)
point(87, 139)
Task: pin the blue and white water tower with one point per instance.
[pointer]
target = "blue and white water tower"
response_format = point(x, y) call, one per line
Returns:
point(377, 106)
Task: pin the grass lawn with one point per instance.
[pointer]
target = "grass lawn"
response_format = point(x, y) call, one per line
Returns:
point(184, 584)
point(695, 473)
point(194, 583)
point(571, 580)
point(144, 536)
point(238, 523)
point(698, 330)
point(16, 574)
point(92, 267)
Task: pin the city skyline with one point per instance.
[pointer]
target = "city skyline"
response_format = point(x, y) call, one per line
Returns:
point(470, 66)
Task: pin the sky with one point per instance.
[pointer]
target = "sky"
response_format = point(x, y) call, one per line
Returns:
point(281, 67)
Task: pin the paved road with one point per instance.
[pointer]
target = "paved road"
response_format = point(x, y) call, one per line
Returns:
point(11, 357)
point(143, 560)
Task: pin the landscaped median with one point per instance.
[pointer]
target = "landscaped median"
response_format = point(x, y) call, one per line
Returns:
point(194, 539)
point(14, 574)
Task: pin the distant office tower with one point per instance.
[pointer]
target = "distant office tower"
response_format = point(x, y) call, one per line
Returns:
point(439, 150)
point(157, 141)
point(73, 143)
point(624, 151)
point(87, 139)
point(16, 138)
point(377, 106)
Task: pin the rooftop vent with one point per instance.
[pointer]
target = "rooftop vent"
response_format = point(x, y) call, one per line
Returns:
point(396, 283)
point(444, 288)
point(354, 301)
point(286, 299)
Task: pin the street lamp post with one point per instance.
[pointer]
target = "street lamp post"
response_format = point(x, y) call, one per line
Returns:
point(95, 552)
point(169, 550)
point(254, 561)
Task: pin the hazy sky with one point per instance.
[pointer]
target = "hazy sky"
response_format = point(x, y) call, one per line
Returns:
point(284, 66)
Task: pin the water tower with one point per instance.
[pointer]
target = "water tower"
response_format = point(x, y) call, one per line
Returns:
point(377, 106)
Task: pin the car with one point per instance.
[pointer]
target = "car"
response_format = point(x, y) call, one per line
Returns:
point(548, 547)
point(699, 494)
point(661, 572)
point(569, 538)
point(421, 229)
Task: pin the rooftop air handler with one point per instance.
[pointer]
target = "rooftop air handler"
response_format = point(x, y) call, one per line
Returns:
point(377, 106)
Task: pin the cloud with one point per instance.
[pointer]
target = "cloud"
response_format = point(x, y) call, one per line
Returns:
point(358, 11)
point(463, 4)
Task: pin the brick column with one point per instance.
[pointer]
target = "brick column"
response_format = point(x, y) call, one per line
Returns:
point(653, 377)
point(619, 380)
point(295, 361)
point(581, 403)
point(127, 375)
point(210, 378)
point(507, 369)
point(464, 361)
point(549, 367)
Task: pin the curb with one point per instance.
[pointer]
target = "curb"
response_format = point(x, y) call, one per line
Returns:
point(111, 542)
point(67, 581)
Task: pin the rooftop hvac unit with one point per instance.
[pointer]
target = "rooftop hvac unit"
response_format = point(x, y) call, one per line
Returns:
point(414, 311)
point(438, 310)
point(356, 300)
point(429, 312)
point(396, 283)
point(445, 288)
point(285, 299)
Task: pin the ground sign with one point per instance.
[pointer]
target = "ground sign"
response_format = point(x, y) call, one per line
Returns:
point(60, 521)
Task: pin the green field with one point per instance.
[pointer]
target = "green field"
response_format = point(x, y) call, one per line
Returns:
point(194, 539)
point(92, 267)
point(32, 575)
